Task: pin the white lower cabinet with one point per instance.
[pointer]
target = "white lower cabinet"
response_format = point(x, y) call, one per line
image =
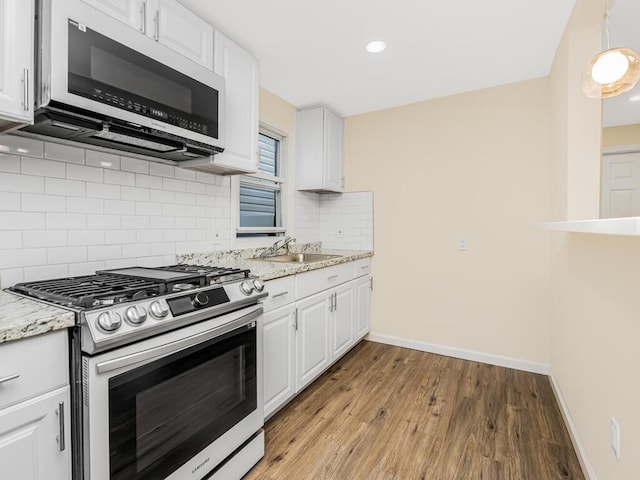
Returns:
point(279, 357)
point(363, 298)
point(313, 353)
point(343, 319)
point(30, 433)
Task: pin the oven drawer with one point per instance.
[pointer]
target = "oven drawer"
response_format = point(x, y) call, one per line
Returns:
point(32, 366)
point(281, 292)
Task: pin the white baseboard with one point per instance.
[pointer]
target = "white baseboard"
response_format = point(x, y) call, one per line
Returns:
point(587, 468)
point(497, 360)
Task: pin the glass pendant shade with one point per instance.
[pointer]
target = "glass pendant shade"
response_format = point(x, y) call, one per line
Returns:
point(611, 73)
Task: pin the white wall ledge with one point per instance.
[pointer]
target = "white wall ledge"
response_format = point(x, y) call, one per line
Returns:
point(605, 226)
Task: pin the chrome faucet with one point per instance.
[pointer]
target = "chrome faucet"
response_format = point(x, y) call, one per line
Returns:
point(273, 249)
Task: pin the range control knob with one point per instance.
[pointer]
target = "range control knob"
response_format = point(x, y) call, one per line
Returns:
point(246, 287)
point(200, 300)
point(258, 285)
point(135, 315)
point(158, 310)
point(109, 321)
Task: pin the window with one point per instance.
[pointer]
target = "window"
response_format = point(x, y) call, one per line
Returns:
point(261, 194)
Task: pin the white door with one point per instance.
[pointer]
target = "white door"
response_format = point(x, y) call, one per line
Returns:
point(343, 319)
point(620, 189)
point(363, 296)
point(30, 438)
point(180, 29)
point(129, 12)
point(312, 342)
point(240, 71)
point(279, 357)
point(16, 61)
point(334, 140)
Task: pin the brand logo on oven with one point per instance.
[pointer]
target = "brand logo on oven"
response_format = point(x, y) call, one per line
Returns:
point(200, 465)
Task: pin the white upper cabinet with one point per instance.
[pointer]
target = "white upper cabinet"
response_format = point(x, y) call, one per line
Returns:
point(241, 74)
point(319, 145)
point(16, 63)
point(167, 22)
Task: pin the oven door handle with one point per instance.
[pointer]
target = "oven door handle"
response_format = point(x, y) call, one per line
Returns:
point(178, 345)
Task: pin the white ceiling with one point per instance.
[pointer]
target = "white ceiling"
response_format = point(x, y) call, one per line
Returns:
point(312, 52)
point(624, 18)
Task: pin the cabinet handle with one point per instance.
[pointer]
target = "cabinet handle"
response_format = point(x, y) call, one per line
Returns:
point(9, 378)
point(371, 284)
point(332, 277)
point(335, 295)
point(363, 267)
point(156, 34)
point(61, 425)
point(281, 294)
point(143, 29)
point(25, 94)
point(295, 320)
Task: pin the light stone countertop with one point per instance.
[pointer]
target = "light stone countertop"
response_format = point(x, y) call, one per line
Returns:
point(21, 317)
point(266, 270)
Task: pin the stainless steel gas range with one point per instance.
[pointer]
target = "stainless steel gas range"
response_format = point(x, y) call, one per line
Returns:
point(166, 367)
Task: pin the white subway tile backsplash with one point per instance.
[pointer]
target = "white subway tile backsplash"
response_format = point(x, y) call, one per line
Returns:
point(95, 158)
point(174, 185)
point(162, 196)
point(85, 205)
point(86, 237)
point(45, 272)
point(11, 276)
point(184, 174)
point(9, 163)
point(21, 146)
point(148, 181)
point(11, 239)
point(85, 173)
point(185, 198)
point(66, 221)
point(118, 263)
point(162, 170)
point(169, 210)
point(134, 165)
point(116, 177)
point(85, 268)
point(9, 201)
point(24, 257)
point(134, 193)
point(64, 153)
point(174, 236)
point(149, 236)
point(119, 207)
point(44, 238)
point(162, 222)
point(148, 208)
point(44, 168)
point(14, 182)
point(101, 190)
point(195, 187)
point(103, 222)
point(185, 223)
point(156, 261)
point(136, 250)
point(22, 221)
point(104, 252)
point(138, 222)
point(205, 178)
point(120, 237)
point(58, 186)
point(163, 248)
point(58, 255)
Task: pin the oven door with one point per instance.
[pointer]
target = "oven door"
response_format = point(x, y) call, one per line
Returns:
point(174, 406)
point(101, 65)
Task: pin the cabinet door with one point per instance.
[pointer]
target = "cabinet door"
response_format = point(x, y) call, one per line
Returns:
point(16, 62)
point(240, 70)
point(333, 145)
point(30, 438)
point(279, 357)
point(363, 296)
point(343, 319)
point(313, 353)
point(129, 12)
point(180, 29)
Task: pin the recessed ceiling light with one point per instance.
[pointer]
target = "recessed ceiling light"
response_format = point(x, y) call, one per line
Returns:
point(635, 98)
point(376, 46)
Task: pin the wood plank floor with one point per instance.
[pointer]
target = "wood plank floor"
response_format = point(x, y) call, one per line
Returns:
point(384, 412)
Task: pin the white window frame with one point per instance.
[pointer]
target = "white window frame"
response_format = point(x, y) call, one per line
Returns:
point(285, 184)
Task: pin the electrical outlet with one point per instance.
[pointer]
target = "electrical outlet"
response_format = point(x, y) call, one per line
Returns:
point(615, 438)
point(340, 231)
point(463, 245)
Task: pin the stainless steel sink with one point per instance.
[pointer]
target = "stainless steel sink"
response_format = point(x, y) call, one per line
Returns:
point(297, 258)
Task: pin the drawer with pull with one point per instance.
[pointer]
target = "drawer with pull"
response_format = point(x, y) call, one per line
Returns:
point(316, 281)
point(281, 292)
point(33, 366)
point(361, 267)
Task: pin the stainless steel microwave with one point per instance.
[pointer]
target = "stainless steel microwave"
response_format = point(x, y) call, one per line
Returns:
point(101, 82)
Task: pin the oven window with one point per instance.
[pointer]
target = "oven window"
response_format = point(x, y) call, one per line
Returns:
point(165, 412)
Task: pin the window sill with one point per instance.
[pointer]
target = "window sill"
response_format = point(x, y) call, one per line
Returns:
point(629, 226)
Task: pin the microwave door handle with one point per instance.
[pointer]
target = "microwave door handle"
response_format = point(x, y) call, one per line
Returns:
point(157, 32)
point(178, 345)
point(143, 27)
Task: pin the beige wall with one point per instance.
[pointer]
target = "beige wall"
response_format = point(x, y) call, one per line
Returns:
point(623, 135)
point(473, 165)
point(595, 323)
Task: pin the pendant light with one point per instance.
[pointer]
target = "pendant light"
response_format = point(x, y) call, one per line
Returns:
point(612, 72)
